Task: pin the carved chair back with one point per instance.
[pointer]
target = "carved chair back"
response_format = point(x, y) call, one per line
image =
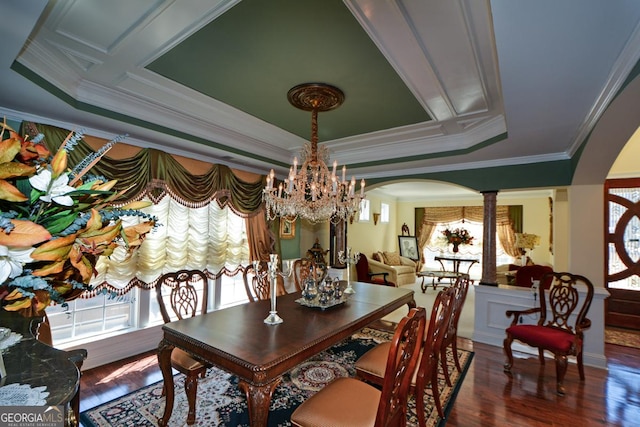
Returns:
point(182, 294)
point(302, 269)
point(402, 360)
point(427, 374)
point(256, 283)
point(565, 301)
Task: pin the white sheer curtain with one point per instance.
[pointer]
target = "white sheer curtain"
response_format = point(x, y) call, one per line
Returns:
point(205, 238)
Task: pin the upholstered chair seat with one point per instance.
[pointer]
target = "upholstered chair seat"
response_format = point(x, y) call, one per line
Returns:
point(560, 327)
point(351, 402)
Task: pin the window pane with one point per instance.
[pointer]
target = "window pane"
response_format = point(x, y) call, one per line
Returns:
point(384, 212)
point(364, 210)
point(92, 317)
point(232, 291)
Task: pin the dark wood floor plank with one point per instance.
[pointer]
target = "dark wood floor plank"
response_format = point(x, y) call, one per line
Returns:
point(488, 397)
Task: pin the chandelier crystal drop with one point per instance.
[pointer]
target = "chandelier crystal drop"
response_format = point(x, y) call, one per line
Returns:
point(312, 192)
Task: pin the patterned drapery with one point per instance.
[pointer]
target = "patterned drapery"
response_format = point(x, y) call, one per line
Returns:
point(432, 216)
point(195, 232)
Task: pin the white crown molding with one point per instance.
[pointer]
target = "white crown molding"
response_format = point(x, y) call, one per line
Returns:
point(619, 72)
point(415, 140)
point(408, 170)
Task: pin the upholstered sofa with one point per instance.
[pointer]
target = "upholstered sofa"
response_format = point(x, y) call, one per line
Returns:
point(402, 270)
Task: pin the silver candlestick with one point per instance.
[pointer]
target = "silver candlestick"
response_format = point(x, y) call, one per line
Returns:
point(273, 318)
point(348, 259)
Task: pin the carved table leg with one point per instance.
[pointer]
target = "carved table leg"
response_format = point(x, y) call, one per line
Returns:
point(258, 400)
point(164, 360)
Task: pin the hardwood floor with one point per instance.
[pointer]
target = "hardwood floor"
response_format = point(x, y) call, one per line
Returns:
point(488, 397)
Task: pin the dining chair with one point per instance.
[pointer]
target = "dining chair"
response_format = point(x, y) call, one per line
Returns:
point(181, 295)
point(350, 402)
point(370, 366)
point(257, 284)
point(560, 326)
point(450, 338)
point(302, 268)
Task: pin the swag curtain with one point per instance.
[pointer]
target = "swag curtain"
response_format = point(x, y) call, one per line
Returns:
point(150, 166)
point(431, 217)
point(195, 233)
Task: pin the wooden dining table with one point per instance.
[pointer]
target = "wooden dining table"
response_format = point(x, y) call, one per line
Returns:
point(237, 340)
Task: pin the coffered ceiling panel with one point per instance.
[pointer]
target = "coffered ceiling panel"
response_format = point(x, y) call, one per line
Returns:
point(430, 86)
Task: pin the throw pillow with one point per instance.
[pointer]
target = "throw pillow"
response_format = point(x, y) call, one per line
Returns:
point(392, 258)
point(377, 256)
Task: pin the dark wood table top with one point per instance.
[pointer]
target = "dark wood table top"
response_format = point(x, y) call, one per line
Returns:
point(237, 339)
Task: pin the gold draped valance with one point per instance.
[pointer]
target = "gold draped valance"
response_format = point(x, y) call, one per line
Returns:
point(154, 173)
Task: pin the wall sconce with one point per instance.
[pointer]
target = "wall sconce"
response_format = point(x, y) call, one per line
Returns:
point(376, 217)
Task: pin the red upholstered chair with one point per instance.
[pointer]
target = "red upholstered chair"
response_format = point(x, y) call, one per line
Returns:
point(560, 325)
point(365, 275)
point(527, 273)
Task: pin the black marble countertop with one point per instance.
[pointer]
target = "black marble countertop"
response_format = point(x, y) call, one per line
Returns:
point(37, 364)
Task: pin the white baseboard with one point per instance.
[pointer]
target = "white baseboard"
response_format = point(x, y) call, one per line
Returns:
point(120, 347)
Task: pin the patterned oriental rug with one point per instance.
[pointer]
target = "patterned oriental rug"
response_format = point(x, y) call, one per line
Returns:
point(221, 403)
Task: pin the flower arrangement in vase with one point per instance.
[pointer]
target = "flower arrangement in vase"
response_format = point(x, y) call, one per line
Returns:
point(56, 222)
point(457, 237)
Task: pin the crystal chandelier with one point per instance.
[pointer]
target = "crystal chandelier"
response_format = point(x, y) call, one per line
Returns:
point(313, 192)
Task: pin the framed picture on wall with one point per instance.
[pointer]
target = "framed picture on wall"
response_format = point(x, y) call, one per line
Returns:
point(408, 247)
point(287, 229)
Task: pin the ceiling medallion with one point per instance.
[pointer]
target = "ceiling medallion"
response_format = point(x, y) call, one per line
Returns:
point(313, 192)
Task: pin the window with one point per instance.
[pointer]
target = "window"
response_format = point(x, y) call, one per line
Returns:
point(101, 315)
point(208, 237)
point(438, 246)
point(384, 212)
point(364, 210)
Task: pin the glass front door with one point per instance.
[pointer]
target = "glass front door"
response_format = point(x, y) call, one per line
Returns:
point(622, 237)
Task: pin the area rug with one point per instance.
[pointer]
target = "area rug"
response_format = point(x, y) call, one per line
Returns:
point(221, 403)
point(625, 337)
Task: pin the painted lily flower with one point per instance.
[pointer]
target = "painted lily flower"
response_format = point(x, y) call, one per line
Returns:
point(56, 222)
point(55, 189)
point(12, 260)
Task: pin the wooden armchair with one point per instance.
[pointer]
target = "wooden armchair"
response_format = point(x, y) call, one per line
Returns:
point(364, 273)
point(182, 295)
point(350, 402)
point(560, 325)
